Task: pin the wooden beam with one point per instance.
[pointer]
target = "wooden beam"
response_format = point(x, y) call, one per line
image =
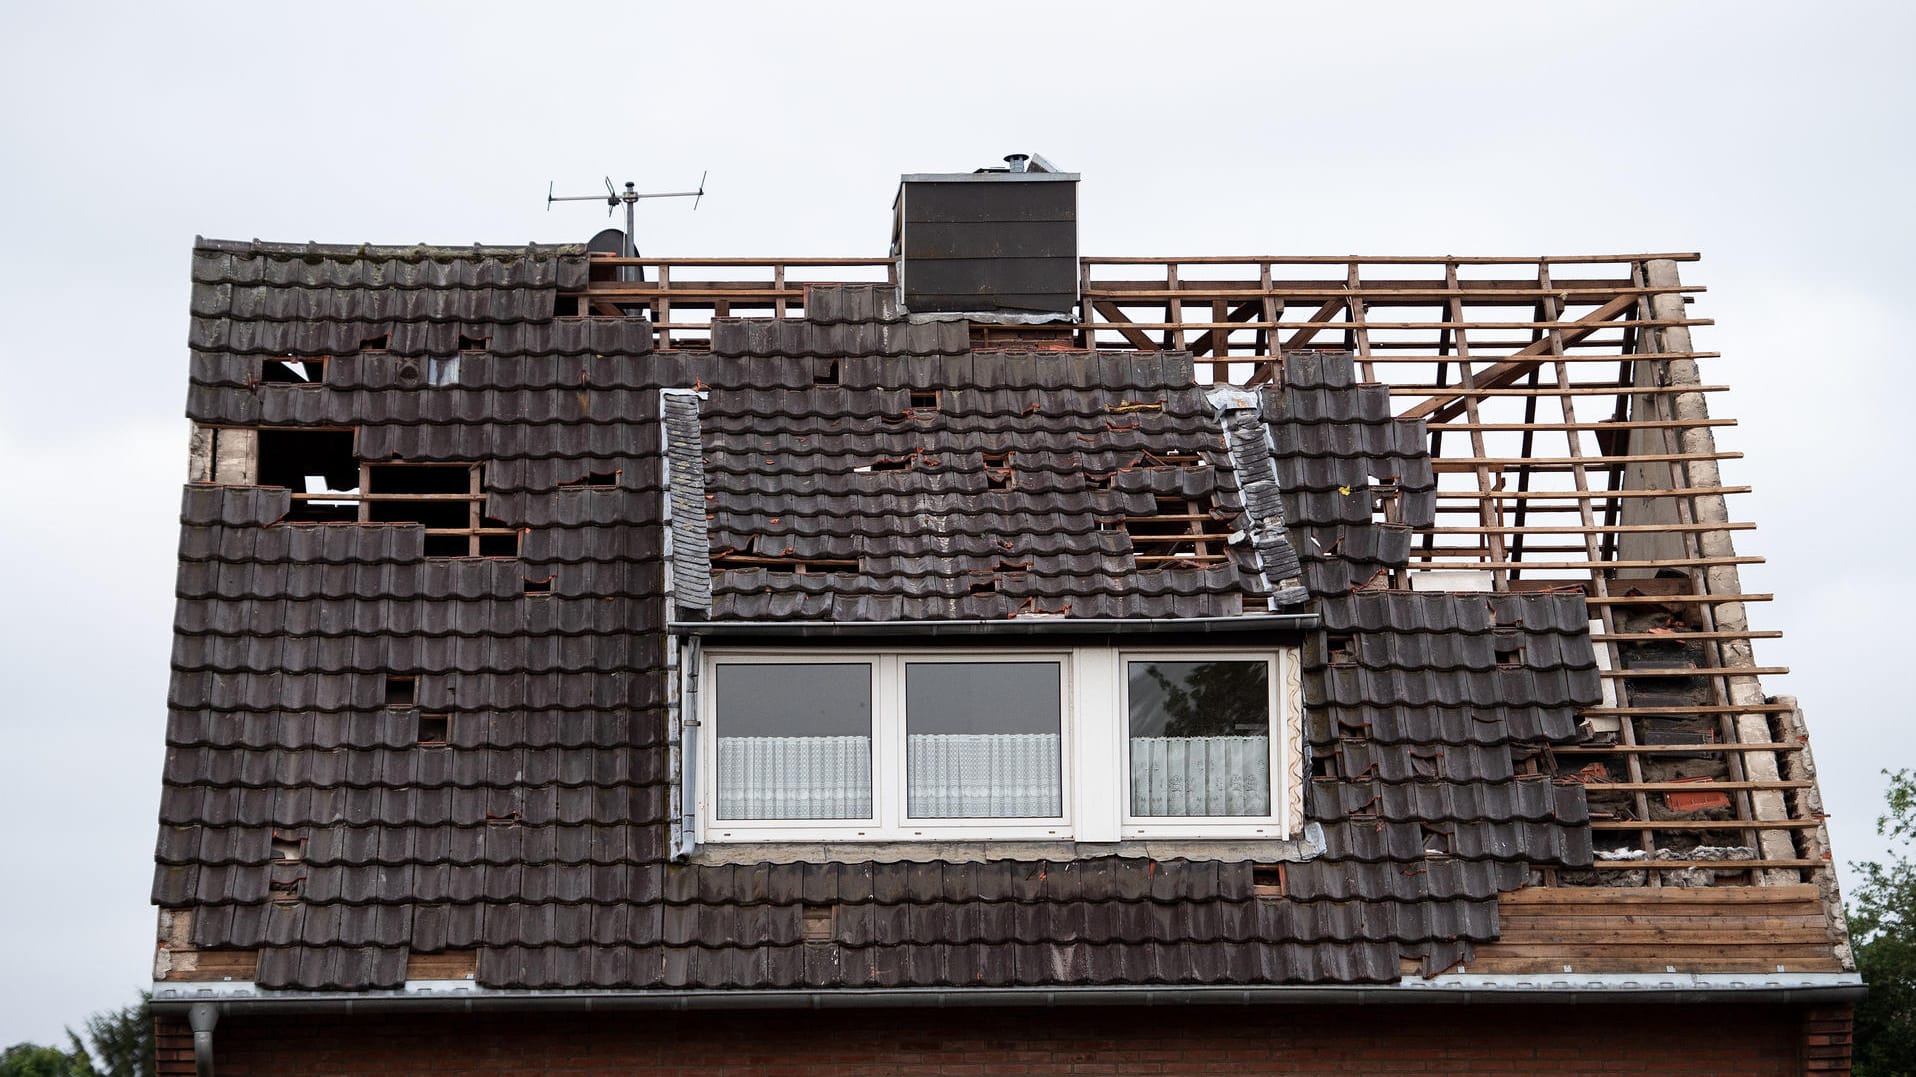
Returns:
point(1268, 369)
point(1245, 312)
point(1115, 318)
point(1444, 407)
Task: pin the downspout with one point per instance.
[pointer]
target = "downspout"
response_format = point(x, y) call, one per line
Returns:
point(690, 659)
point(203, 1016)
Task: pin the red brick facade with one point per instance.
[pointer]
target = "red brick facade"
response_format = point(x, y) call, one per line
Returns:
point(1562, 1041)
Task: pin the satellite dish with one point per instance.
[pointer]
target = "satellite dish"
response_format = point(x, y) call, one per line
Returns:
point(609, 241)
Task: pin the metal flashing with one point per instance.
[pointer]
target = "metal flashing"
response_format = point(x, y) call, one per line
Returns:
point(1014, 626)
point(465, 995)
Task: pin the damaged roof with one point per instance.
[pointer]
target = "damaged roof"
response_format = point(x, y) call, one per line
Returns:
point(830, 456)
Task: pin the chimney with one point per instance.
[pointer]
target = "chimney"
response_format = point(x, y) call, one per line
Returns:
point(998, 244)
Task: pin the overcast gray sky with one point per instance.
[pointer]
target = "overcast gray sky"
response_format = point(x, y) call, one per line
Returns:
point(1774, 138)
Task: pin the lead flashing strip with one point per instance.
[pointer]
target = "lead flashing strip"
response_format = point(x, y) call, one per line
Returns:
point(688, 553)
point(1248, 440)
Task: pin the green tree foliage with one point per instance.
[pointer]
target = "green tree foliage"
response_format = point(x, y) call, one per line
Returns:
point(1882, 920)
point(33, 1060)
point(118, 1043)
point(121, 1041)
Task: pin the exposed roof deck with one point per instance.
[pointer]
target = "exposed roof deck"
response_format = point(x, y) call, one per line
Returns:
point(1573, 448)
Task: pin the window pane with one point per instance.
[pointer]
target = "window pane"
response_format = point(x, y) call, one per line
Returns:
point(981, 740)
point(794, 740)
point(1200, 738)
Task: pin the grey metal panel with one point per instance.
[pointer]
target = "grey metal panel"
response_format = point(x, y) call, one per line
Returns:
point(983, 246)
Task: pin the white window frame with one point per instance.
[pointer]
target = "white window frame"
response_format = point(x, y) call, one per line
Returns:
point(1094, 743)
point(1204, 826)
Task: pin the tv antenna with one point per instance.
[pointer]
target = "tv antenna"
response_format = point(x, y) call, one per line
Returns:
point(630, 196)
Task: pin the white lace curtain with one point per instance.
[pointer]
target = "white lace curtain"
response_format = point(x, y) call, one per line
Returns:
point(1193, 776)
point(794, 777)
point(951, 776)
point(984, 776)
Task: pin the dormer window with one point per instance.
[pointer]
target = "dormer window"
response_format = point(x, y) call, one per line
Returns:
point(1091, 744)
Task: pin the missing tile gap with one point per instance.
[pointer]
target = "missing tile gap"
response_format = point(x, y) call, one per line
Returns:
point(828, 375)
point(375, 344)
point(472, 343)
point(1340, 648)
point(288, 849)
point(292, 370)
point(1268, 881)
point(924, 399)
point(820, 923)
point(538, 586)
point(401, 690)
point(435, 730)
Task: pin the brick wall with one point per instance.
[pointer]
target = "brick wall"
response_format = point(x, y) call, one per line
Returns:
point(1826, 1039)
point(1562, 1041)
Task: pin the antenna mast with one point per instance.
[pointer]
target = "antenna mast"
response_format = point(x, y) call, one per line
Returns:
point(630, 196)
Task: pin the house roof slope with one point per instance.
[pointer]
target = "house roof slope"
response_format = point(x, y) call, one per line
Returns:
point(539, 837)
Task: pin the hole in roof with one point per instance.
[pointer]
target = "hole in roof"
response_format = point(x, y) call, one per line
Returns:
point(401, 691)
point(1180, 532)
point(731, 560)
point(1436, 842)
point(287, 370)
point(538, 587)
point(442, 370)
point(1340, 648)
point(924, 398)
point(827, 374)
point(283, 891)
point(1267, 880)
point(997, 470)
point(1384, 502)
point(287, 849)
point(819, 923)
point(503, 542)
point(594, 478)
point(375, 344)
point(435, 730)
point(985, 587)
point(1324, 766)
point(312, 464)
point(1175, 458)
point(1509, 653)
point(469, 343)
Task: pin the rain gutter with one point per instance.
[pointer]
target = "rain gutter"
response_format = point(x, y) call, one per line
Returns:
point(462, 996)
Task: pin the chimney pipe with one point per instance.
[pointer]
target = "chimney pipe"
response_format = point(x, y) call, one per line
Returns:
point(1017, 161)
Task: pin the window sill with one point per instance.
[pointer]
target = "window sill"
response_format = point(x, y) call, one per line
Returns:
point(1305, 846)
